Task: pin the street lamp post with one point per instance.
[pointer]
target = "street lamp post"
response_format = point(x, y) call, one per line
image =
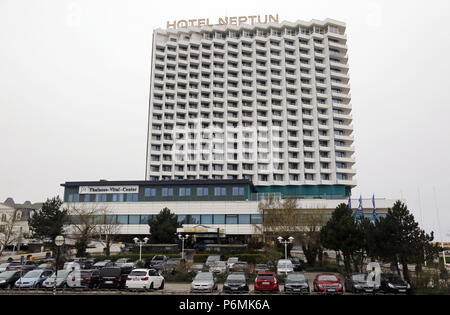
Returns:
point(182, 238)
point(140, 243)
point(288, 241)
point(59, 241)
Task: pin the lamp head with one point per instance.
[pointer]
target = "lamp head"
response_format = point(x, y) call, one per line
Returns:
point(135, 239)
point(279, 238)
point(290, 239)
point(146, 239)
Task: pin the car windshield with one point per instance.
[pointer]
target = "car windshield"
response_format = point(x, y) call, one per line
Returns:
point(158, 258)
point(284, 265)
point(233, 259)
point(261, 266)
point(203, 276)
point(220, 264)
point(4, 265)
point(296, 277)
point(295, 260)
point(395, 278)
point(7, 274)
point(359, 277)
point(138, 273)
point(33, 274)
point(327, 278)
point(265, 277)
point(213, 258)
point(235, 277)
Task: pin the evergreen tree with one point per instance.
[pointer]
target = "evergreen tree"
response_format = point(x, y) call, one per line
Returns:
point(164, 226)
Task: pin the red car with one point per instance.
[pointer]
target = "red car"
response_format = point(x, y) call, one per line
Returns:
point(266, 281)
point(327, 283)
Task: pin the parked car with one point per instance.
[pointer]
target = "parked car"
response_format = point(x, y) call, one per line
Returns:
point(158, 262)
point(61, 280)
point(327, 283)
point(266, 281)
point(218, 267)
point(239, 266)
point(113, 277)
point(45, 266)
point(357, 283)
point(296, 263)
point(83, 278)
point(71, 265)
point(103, 264)
point(172, 263)
point(236, 282)
point(8, 278)
point(9, 266)
point(204, 282)
point(144, 279)
point(231, 261)
point(196, 268)
point(33, 279)
point(296, 282)
point(261, 267)
point(211, 259)
point(284, 266)
point(393, 283)
point(26, 266)
point(122, 261)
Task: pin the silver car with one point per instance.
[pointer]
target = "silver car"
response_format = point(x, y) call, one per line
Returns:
point(61, 280)
point(204, 282)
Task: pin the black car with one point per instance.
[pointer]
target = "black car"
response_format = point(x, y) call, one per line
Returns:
point(296, 263)
point(113, 277)
point(235, 282)
point(393, 283)
point(296, 282)
point(358, 283)
point(8, 278)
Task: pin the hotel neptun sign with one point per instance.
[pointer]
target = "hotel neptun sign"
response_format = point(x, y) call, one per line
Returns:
point(227, 20)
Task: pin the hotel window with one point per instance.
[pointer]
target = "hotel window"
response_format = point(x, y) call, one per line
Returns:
point(206, 219)
point(309, 176)
point(100, 198)
point(87, 198)
point(244, 219)
point(132, 197)
point(238, 191)
point(117, 197)
point(231, 219)
point(220, 191)
point(122, 219)
point(149, 192)
point(341, 176)
point(145, 218)
point(167, 192)
point(202, 191)
point(184, 192)
point(194, 219)
point(74, 197)
point(133, 219)
point(256, 219)
point(181, 219)
point(219, 219)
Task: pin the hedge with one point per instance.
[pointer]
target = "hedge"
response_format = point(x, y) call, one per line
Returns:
point(249, 258)
point(133, 256)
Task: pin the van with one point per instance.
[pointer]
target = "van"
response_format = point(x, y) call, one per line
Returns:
point(284, 266)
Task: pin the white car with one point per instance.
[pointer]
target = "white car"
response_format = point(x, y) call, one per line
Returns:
point(144, 279)
point(218, 267)
point(231, 261)
point(284, 266)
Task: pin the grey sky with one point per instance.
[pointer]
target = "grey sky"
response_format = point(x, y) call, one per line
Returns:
point(74, 89)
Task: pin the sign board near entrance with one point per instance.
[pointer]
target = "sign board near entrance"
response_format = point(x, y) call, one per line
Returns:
point(109, 189)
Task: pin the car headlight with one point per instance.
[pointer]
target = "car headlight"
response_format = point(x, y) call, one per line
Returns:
point(2, 281)
point(408, 286)
point(358, 286)
point(391, 285)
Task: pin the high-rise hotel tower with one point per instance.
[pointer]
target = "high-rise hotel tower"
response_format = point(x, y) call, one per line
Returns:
point(265, 102)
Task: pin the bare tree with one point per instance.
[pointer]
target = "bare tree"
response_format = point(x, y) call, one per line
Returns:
point(283, 217)
point(107, 230)
point(9, 229)
point(84, 222)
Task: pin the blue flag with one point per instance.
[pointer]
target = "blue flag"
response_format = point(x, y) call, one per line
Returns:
point(374, 208)
point(359, 211)
point(350, 202)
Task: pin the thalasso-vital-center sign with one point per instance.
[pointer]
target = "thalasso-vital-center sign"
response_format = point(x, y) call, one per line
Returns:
point(227, 20)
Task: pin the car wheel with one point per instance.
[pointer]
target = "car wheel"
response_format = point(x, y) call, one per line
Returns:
point(151, 287)
point(162, 285)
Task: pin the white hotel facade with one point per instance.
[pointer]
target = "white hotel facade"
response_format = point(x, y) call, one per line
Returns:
point(238, 112)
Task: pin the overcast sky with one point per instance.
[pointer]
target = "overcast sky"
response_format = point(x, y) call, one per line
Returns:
point(75, 75)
